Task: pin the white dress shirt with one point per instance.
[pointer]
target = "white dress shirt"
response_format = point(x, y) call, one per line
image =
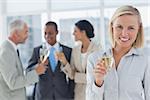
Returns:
point(56, 46)
point(131, 81)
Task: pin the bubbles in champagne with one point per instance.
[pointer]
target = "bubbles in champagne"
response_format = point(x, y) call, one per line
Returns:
point(43, 52)
point(107, 60)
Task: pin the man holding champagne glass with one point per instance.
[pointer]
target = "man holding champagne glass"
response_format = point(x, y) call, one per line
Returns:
point(12, 78)
point(53, 85)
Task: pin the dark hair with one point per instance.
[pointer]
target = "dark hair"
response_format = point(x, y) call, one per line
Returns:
point(86, 26)
point(52, 23)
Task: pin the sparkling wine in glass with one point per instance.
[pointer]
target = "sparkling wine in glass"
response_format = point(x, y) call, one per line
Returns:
point(59, 53)
point(108, 61)
point(44, 52)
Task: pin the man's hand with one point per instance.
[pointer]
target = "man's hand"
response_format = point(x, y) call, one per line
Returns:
point(41, 68)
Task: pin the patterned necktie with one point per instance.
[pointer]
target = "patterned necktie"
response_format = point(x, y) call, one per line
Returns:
point(52, 59)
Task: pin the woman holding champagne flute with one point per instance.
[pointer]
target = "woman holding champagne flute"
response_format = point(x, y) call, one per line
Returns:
point(129, 75)
point(83, 32)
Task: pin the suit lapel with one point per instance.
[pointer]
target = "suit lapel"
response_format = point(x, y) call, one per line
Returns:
point(83, 63)
point(18, 61)
point(59, 63)
point(77, 58)
point(89, 50)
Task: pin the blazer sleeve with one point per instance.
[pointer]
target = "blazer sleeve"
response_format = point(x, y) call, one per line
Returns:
point(92, 91)
point(11, 74)
point(33, 60)
point(69, 68)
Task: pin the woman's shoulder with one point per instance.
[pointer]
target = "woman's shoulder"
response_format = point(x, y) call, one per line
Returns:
point(143, 51)
point(96, 54)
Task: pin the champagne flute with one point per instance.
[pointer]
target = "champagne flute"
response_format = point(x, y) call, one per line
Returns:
point(59, 53)
point(108, 61)
point(41, 54)
point(44, 52)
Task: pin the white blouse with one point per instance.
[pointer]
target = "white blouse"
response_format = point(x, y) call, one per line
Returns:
point(131, 81)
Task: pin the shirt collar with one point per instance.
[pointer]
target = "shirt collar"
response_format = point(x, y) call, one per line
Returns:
point(56, 46)
point(134, 51)
point(12, 43)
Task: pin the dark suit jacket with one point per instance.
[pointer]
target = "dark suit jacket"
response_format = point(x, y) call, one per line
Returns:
point(53, 85)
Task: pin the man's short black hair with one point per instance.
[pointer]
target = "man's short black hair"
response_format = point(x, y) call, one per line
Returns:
point(52, 23)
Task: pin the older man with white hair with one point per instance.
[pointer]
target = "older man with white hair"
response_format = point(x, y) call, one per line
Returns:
point(12, 78)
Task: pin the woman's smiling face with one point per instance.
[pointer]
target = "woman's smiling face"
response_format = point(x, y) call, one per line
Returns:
point(125, 30)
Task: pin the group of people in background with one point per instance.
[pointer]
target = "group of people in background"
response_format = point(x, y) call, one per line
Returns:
point(79, 73)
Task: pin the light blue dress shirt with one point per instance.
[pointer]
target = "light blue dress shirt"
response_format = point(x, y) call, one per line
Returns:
point(131, 81)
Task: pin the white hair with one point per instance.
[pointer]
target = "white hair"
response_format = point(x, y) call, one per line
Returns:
point(16, 25)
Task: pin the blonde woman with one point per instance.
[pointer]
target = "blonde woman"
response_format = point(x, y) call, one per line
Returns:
point(129, 77)
point(83, 32)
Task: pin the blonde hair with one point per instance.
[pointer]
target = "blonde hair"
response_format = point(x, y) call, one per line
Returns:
point(128, 10)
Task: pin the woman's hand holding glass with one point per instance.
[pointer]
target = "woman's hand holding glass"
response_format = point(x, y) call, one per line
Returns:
point(108, 61)
point(61, 56)
point(99, 73)
point(103, 66)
